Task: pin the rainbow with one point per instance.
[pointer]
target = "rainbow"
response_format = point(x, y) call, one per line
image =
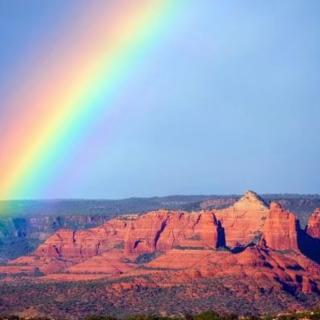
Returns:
point(80, 75)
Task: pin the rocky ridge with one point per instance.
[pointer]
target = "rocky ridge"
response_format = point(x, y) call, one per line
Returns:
point(29, 223)
point(261, 244)
point(248, 222)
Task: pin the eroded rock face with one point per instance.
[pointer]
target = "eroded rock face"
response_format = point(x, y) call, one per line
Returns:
point(313, 227)
point(76, 245)
point(166, 230)
point(193, 245)
point(244, 221)
point(159, 230)
point(144, 233)
point(280, 230)
point(261, 264)
point(126, 237)
point(242, 224)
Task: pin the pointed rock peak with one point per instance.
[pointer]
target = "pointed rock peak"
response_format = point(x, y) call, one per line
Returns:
point(251, 200)
point(251, 195)
point(275, 206)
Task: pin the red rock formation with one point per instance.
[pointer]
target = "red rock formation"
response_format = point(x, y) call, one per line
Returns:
point(243, 221)
point(260, 264)
point(133, 235)
point(166, 249)
point(112, 262)
point(280, 229)
point(166, 230)
point(182, 246)
point(313, 227)
point(68, 244)
point(144, 232)
point(160, 230)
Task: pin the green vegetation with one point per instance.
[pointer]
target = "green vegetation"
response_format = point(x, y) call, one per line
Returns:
point(212, 315)
point(188, 248)
point(146, 257)
point(78, 300)
point(207, 315)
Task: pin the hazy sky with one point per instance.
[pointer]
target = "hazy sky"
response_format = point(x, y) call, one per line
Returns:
point(229, 101)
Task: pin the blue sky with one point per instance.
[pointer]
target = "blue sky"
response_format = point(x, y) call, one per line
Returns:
point(228, 101)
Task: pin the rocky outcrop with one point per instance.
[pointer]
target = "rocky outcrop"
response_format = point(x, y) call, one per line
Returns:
point(250, 239)
point(29, 223)
point(21, 235)
point(161, 230)
point(280, 230)
point(166, 230)
point(260, 264)
point(83, 244)
point(243, 222)
point(313, 227)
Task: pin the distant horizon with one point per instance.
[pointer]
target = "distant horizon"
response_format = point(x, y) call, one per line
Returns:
point(166, 196)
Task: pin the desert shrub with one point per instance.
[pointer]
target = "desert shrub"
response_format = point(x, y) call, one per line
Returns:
point(38, 273)
point(145, 317)
point(188, 248)
point(288, 317)
point(315, 315)
point(146, 257)
point(119, 245)
point(230, 317)
point(207, 315)
point(100, 318)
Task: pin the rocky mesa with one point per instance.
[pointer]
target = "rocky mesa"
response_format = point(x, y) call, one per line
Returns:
point(260, 244)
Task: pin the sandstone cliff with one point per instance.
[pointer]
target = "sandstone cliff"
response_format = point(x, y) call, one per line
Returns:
point(249, 239)
point(313, 227)
point(280, 230)
point(28, 223)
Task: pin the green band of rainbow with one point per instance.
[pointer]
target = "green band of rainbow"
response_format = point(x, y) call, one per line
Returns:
point(80, 91)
